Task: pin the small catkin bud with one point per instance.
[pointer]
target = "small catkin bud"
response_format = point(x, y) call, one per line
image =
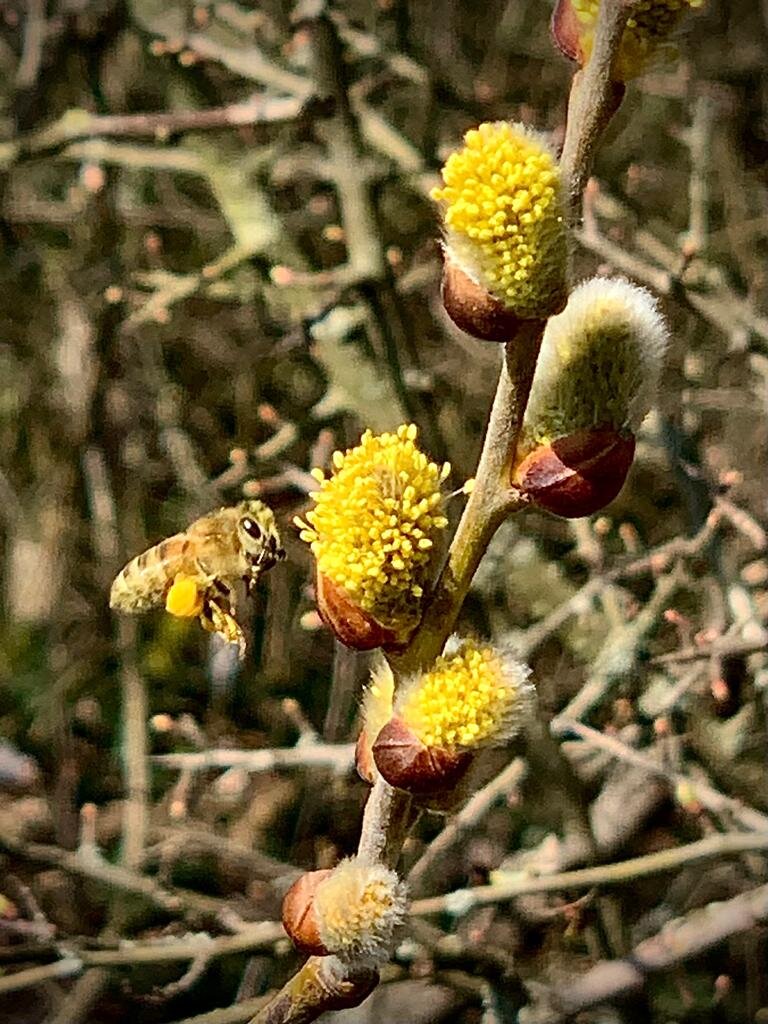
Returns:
point(374, 532)
point(644, 41)
point(472, 697)
point(352, 912)
point(596, 377)
point(184, 599)
point(506, 245)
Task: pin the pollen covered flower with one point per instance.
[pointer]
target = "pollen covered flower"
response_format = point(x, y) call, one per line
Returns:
point(472, 697)
point(352, 912)
point(596, 377)
point(506, 243)
point(373, 532)
point(359, 906)
point(184, 599)
point(645, 38)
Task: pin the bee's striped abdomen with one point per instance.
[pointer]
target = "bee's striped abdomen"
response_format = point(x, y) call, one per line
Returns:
point(143, 583)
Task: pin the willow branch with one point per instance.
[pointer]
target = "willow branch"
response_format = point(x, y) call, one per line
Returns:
point(489, 504)
point(338, 756)
point(593, 101)
point(510, 885)
point(492, 500)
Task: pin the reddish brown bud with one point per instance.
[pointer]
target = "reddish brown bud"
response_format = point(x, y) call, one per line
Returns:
point(406, 763)
point(349, 622)
point(473, 309)
point(565, 30)
point(299, 918)
point(351, 990)
point(578, 474)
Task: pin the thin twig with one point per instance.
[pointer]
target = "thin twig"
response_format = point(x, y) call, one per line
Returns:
point(134, 748)
point(256, 936)
point(621, 651)
point(65, 968)
point(88, 863)
point(593, 100)
point(468, 817)
point(339, 756)
point(618, 873)
point(77, 125)
point(681, 939)
point(709, 797)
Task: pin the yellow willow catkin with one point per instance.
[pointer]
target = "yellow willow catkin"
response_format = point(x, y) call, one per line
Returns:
point(375, 524)
point(503, 217)
point(473, 696)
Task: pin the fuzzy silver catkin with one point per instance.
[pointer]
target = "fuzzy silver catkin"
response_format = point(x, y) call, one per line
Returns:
point(599, 365)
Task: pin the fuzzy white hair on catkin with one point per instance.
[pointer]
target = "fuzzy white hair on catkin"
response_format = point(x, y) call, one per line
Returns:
point(612, 304)
point(378, 698)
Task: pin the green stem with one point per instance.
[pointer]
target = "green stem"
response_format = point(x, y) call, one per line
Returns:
point(492, 500)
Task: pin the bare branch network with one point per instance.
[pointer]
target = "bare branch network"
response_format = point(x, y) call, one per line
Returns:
point(473, 530)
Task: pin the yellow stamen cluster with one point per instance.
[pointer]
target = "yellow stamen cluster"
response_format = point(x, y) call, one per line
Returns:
point(474, 696)
point(358, 908)
point(184, 599)
point(375, 522)
point(651, 23)
point(503, 217)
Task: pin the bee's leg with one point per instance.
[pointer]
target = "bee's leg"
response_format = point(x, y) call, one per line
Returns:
point(226, 595)
point(217, 618)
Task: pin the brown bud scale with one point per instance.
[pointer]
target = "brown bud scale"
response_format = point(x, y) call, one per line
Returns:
point(350, 623)
point(299, 918)
point(578, 474)
point(407, 763)
point(473, 309)
point(565, 30)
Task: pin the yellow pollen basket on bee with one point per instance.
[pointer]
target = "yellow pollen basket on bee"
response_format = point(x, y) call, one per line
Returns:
point(184, 599)
point(194, 573)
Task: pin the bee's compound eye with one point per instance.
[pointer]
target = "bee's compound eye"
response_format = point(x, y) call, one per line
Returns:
point(251, 527)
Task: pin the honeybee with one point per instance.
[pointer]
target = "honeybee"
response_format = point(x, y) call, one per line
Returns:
point(210, 556)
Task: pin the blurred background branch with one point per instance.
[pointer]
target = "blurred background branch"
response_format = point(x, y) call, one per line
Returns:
point(219, 265)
